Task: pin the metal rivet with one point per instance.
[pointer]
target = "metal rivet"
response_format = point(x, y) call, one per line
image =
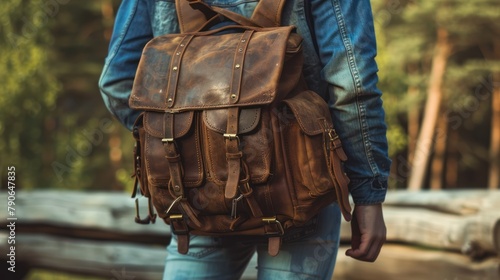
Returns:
point(233, 96)
point(182, 45)
point(170, 100)
point(177, 188)
point(243, 40)
point(175, 68)
point(240, 50)
point(178, 53)
point(237, 66)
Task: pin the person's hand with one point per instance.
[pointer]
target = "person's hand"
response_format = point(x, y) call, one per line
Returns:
point(368, 232)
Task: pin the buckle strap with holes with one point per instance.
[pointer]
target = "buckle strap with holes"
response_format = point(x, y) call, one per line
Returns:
point(275, 230)
point(336, 154)
point(180, 228)
point(233, 153)
point(173, 157)
point(239, 59)
point(247, 192)
point(175, 68)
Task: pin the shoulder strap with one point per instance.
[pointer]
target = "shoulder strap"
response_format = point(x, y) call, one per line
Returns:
point(268, 12)
point(189, 19)
point(193, 15)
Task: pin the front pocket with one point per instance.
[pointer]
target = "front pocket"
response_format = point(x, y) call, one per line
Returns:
point(255, 143)
point(186, 138)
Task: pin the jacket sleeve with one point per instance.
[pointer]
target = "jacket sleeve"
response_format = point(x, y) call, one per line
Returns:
point(345, 38)
point(131, 32)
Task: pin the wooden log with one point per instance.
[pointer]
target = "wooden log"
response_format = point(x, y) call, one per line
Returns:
point(465, 221)
point(118, 260)
point(459, 202)
point(112, 211)
point(424, 218)
point(414, 263)
point(102, 258)
point(116, 209)
point(475, 235)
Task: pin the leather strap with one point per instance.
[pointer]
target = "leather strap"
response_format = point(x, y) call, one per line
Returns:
point(189, 19)
point(190, 212)
point(237, 18)
point(337, 175)
point(239, 59)
point(275, 230)
point(252, 202)
point(179, 227)
point(176, 186)
point(194, 14)
point(268, 13)
point(248, 194)
point(173, 157)
point(233, 153)
point(273, 245)
point(175, 68)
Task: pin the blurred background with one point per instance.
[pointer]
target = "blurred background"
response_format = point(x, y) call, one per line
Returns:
point(439, 64)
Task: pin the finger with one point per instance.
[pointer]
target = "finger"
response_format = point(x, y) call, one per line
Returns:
point(363, 250)
point(374, 249)
point(378, 247)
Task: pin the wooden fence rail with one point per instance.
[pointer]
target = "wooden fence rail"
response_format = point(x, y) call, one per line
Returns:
point(431, 235)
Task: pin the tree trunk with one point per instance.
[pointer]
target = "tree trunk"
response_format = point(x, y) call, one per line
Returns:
point(439, 154)
point(494, 176)
point(108, 18)
point(425, 139)
point(452, 160)
point(413, 116)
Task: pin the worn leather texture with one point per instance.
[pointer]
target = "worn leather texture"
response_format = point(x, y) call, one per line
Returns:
point(230, 141)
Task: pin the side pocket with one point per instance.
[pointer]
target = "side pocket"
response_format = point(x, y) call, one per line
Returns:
point(308, 161)
point(306, 143)
point(315, 151)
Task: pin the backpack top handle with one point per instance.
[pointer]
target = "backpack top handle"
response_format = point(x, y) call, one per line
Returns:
point(195, 15)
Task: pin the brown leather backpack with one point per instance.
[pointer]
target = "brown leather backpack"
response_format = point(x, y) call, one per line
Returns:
point(230, 141)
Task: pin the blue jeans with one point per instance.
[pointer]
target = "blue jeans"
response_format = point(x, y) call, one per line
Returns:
point(310, 257)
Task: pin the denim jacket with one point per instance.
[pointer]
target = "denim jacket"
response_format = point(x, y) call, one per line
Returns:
point(339, 55)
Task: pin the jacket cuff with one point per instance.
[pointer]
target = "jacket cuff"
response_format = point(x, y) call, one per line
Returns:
point(368, 191)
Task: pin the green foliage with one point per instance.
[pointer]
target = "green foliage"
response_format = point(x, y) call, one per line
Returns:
point(54, 126)
point(407, 37)
point(29, 87)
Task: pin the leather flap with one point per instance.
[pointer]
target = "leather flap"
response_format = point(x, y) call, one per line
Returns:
point(180, 72)
point(311, 112)
point(216, 120)
point(154, 123)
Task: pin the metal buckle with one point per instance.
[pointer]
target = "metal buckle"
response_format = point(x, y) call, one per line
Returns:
point(167, 140)
point(172, 205)
point(178, 218)
point(231, 136)
point(332, 134)
point(273, 220)
point(151, 218)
